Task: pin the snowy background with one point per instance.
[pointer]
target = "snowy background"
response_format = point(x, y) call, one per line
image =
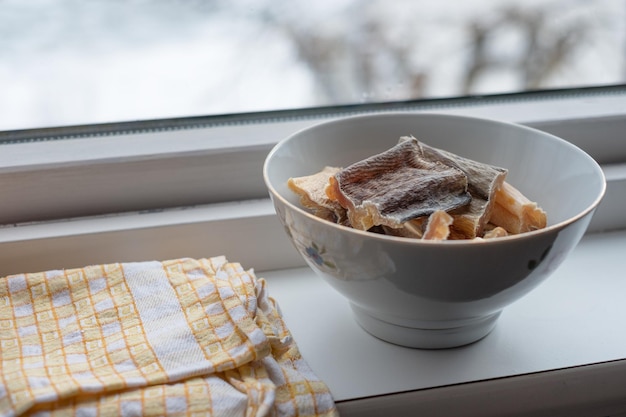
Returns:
point(65, 62)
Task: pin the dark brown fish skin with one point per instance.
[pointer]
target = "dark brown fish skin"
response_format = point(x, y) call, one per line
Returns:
point(483, 182)
point(483, 179)
point(396, 186)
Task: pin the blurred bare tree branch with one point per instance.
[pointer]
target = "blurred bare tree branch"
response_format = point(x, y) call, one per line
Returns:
point(356, 55)
point(543, 52)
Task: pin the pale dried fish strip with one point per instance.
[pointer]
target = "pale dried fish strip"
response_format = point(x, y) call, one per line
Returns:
point(413, 229)
point(312, 192)
point(469, 220)
point(396, 186)
point(438, 227)
point(515, 212)
point(495, 233)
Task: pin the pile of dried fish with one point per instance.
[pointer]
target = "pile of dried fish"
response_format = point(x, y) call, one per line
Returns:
point(418, 191)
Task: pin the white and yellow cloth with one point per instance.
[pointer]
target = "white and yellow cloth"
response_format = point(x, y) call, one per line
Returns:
point(196, 337)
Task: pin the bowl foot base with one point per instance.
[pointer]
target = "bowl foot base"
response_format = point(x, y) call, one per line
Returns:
point(427, 338)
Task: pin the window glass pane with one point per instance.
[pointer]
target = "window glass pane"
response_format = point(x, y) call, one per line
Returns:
point(68, 62)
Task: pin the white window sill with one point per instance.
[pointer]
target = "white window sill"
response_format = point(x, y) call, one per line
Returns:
point(557, 351)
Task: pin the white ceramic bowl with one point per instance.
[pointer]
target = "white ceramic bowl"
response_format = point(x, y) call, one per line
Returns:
point(429, 294)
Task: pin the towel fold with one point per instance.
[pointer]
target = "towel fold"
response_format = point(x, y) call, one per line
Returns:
point(195, 337)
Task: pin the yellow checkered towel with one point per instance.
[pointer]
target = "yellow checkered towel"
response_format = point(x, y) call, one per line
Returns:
point(197, 337)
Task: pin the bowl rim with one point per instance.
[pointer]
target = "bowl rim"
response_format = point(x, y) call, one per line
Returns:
point(346, 119)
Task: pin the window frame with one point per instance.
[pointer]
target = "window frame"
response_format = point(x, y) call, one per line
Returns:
point(191, 187)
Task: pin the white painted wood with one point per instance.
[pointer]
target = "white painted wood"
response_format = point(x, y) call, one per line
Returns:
point(213, 164)
point(595, 390)
point(610, 214)
point(247, 231)
point(226, 137)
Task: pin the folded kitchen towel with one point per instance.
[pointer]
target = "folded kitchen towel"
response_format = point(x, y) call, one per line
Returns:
point(198, 337)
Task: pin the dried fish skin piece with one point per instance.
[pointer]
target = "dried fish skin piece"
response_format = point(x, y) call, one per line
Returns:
point(396, 186)
point(468, 221)
point(413, 229)
point(438, 227)
point(491, 232)
point(483, 182)
point(312, 192)
point(515, 212)
point(483, 179)
point(495, 233)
